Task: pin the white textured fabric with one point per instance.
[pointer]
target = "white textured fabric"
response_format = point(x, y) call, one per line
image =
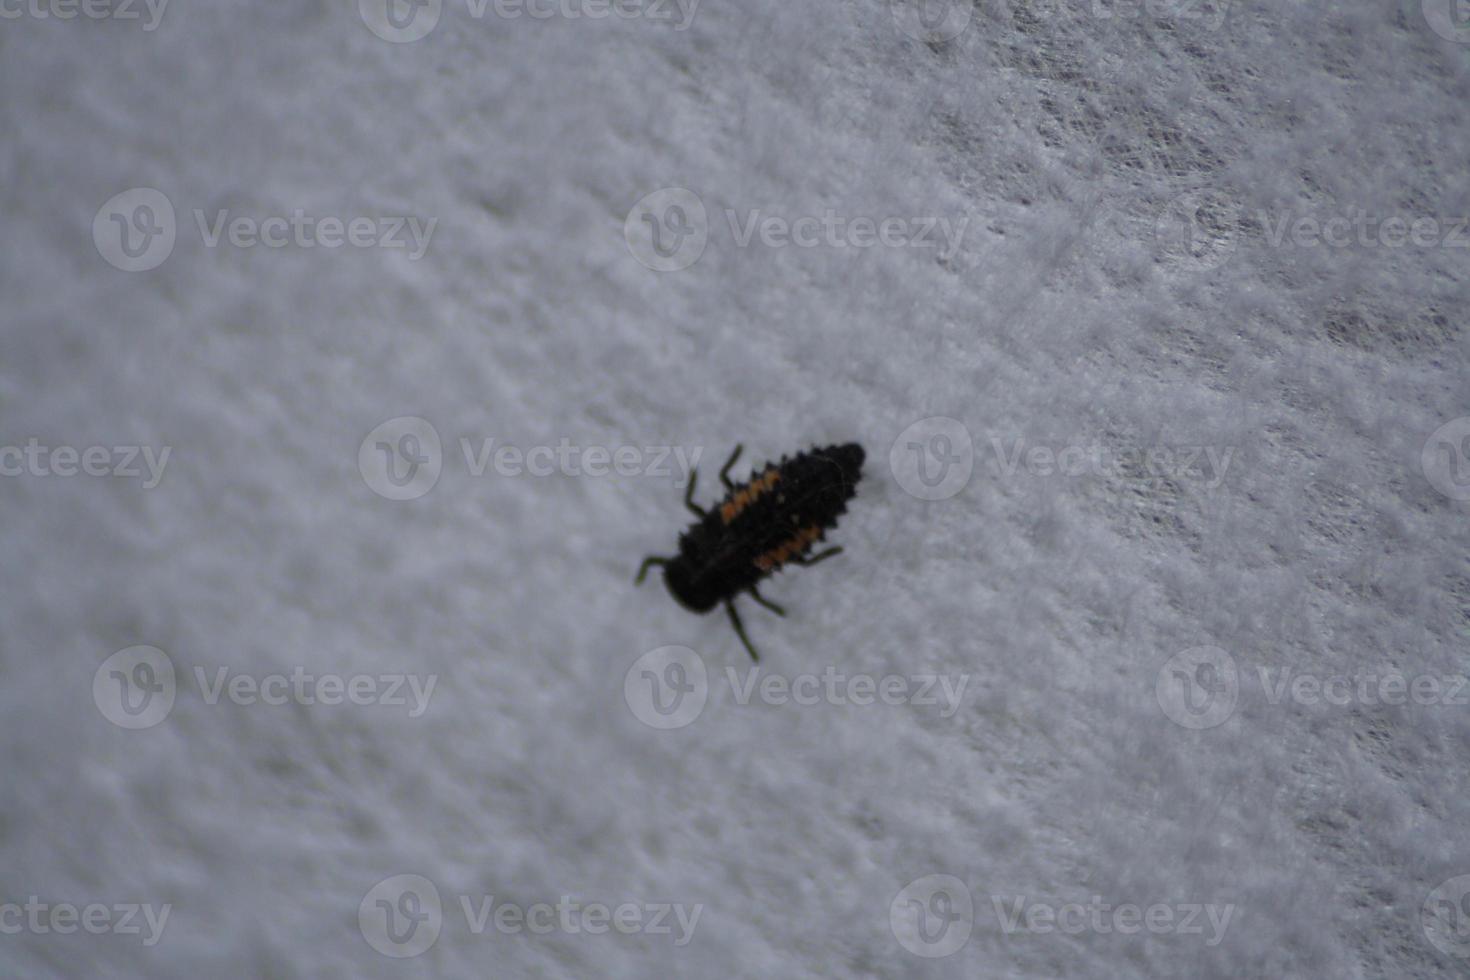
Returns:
point(1126, 269)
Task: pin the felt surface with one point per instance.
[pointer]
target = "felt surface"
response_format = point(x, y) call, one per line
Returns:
point(1286, 388)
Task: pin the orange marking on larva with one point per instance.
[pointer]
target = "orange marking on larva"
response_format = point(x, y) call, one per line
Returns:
point(788, 550)
point(748, 495)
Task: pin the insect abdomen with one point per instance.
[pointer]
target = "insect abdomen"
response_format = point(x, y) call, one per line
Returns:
point(784, 509)
point(772, 518)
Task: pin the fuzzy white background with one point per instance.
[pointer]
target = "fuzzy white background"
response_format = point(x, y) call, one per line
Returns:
point(1068, 136)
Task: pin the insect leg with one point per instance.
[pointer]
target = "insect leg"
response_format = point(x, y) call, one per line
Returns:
point(756, 594)
point(725, 470)
point(648, 563)
point(812, 560)
point(694, 508)
point(740, 630)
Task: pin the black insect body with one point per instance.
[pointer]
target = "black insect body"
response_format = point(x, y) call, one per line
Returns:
point(771, 520)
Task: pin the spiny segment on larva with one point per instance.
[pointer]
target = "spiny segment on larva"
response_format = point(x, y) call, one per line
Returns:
point(789, 549)
point(748, 494)
point(771, 520)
